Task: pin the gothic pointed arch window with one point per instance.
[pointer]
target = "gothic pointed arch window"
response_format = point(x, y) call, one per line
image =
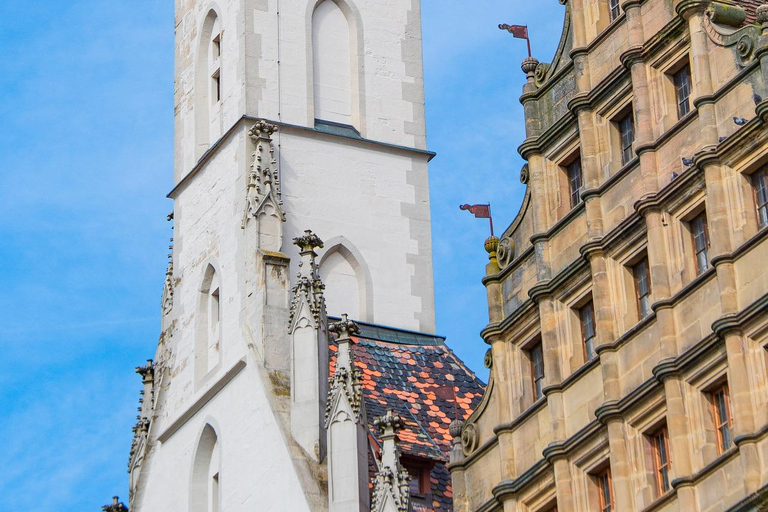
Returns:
point(208, 329)
point(208, 83)
point(332, 62)
point(347, 279)
point(204, 495)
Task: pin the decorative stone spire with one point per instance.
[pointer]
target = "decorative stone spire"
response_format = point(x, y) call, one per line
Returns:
point(115, 506)
point(390, 485)
point(309, 288)
point(346, 380)
point(307, 327)
point(264, 199)
point(457, 453)
point(146, 411)
point(167, 302)
point(346, 429)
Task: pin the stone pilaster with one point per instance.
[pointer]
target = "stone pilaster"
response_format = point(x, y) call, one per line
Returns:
point(345, 423)
point(309, 351)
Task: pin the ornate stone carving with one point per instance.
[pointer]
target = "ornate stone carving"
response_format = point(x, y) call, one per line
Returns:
point(488, 359)
point(115, 506)
point(308, 288)
point(524, 174)
point(146, 411)
point(469, 438)
point(263, 194)
point(505, 252)
point(347, 379)
point(391, 491)
point(721, 22)
point(540, 73)
point(167, 301)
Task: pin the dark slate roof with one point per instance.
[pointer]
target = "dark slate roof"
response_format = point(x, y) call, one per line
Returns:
point(401, 371)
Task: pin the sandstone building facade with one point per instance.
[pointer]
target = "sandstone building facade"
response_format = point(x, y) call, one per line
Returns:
point(301, 191)
point(627, 301)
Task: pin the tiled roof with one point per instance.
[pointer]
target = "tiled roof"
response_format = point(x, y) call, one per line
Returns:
point(750, 6)
point(401, 371)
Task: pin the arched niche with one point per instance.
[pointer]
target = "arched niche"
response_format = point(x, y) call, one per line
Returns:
point(208, 83)
point(336, 52)
point(208, 323)
point(347, 279)
point(204, 492)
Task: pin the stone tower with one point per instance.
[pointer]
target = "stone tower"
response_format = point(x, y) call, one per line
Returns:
point(289, 116)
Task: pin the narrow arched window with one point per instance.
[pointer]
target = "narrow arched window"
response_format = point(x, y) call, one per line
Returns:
point(204, 493)
point(208, 324)
point(332, 68)
point(208, 83)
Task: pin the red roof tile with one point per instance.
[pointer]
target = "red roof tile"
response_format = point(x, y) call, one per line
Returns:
point(402, 371)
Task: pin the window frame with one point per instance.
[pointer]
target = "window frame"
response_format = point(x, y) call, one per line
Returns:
point(574, 170)
point(588, 343)
point(699, 229)
point(643, 307)
point(626, 128)
point(684, 86)
point(614, 10)
point(660, 445)
point(720, 425)
point(537, 381)
point(759, 182)
point(603, 478)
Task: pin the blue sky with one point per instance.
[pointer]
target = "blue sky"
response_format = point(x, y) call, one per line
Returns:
point(85, 162)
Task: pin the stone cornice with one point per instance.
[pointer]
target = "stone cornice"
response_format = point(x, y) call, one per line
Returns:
point(201, 401)
point(245, 119)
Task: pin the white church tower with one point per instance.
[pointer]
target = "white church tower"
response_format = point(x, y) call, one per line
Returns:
point(290, 115)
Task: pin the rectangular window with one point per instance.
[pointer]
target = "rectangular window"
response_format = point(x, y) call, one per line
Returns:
point(605, 490)
point(682, 80)
point(216, 85)
point(217, 46)
point(627, 136)
point(536, 353)
point(641, 273)
point(613, 5)
point(660, 443)
point(575, 181)
point(722, 414)
point(700, 235)
point(760, 184)
point(587, 317)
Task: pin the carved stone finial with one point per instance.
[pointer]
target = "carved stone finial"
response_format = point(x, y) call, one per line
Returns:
point(147, 371)
point(529, 66)
point(762, 15)
point(115, 506)
point(262, 130)
point(391, 491)
point(309, 288)
point(263, 192)
point(389, 424)
point(491, 244)
point(308, 242)
point(455, 430)
point(344, 327)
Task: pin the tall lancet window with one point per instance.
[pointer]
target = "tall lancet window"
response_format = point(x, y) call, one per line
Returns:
point(332, 64)
point(208, 329)
point(204, 491)
point(208, 84)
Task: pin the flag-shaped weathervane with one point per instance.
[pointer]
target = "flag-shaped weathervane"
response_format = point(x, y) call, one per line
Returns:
point(480, 211)
point(518, 31)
